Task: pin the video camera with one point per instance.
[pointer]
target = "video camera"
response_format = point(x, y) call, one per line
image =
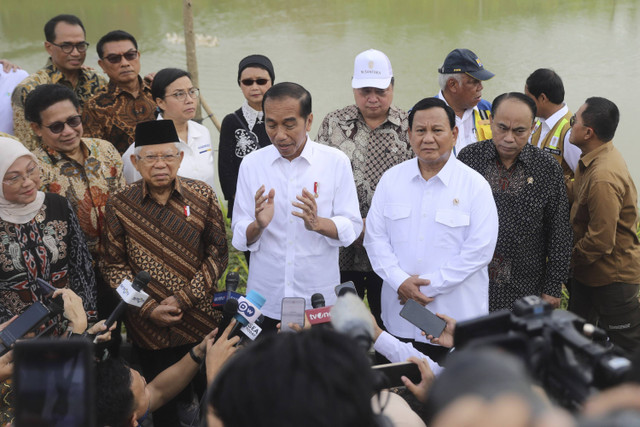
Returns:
point(569, 357)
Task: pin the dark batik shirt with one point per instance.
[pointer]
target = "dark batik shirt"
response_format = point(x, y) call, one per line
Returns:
point(114, 114)
point(181, 244)
point(533, 252)
point(372, 153)
point(52, 247)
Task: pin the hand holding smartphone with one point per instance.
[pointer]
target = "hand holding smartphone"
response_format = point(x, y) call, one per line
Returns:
point(292, 312)
point(423, 318)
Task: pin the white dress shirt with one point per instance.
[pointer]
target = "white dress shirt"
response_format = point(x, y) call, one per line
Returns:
point(466, 127)
point(8, 82)
point(397, 351)
point(571, 153)
point(444, 230)
point(288, 260)
point(198, 156)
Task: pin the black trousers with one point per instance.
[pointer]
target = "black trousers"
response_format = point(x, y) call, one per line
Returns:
point(614, 308)
point(155, 361)
point(372, 283)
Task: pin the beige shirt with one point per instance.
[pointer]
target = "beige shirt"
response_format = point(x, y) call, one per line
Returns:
point(604, 218)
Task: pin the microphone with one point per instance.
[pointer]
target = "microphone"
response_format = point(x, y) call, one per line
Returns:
point(129, 296)
point(351, 317)
point(345, 287)
point(248, 310)
point(231, 284)
point(319, 314)
point(230, 309)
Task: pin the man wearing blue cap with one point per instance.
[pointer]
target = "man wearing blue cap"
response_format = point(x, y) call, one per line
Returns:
point(460, 79)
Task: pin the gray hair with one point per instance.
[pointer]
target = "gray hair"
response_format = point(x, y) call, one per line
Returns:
point(178, 145)
point(444, 78)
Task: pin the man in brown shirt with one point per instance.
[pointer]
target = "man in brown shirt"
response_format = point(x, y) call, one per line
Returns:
point(606, 254)
point(171, 227)
point(113, 115)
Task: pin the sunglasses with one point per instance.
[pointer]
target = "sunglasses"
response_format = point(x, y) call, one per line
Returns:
point(116, 58)
point(250, 82)
point(58, 127)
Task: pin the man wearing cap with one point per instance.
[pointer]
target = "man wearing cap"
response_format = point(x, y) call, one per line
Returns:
point(171, 227)
point(552, 130)
point(67, 48)
point(460, 80)
point(373, 134)
point(296, 204)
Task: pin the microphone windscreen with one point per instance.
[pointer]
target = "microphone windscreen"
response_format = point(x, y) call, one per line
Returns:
point(317, 300)
point(232, 281)
point(350, 316)
point(141, 280)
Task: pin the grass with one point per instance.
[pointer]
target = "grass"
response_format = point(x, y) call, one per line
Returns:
point(237, 261)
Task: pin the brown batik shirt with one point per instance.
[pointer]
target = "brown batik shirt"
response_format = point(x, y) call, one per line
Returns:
point(181, 244)
point(372, 152)
point(114, 114)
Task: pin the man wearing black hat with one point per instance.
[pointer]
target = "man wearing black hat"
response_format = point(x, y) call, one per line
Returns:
point(171, 227)
point(460, 79)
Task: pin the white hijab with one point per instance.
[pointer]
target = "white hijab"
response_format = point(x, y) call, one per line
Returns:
point(16, 213)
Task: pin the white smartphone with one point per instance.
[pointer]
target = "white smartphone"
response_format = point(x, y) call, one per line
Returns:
point(292, 312)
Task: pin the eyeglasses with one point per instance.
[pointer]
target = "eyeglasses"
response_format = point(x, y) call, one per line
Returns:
point(572, 120)
point(116, 58)
point(68, 47)
point(152, 160)
point(58, 127)
point(181, 95)
point(250, 82)
point(18, 180)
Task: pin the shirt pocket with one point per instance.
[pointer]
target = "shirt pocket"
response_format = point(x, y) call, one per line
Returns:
point(398, 221)
point(451, 229)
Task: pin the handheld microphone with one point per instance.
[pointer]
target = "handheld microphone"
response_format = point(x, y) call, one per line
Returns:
point(232, 281)
point(129, 296)
point(230, 309)
point(248, 310)
point(350, 316)
point(231, 284)
point(346, 287)
point(319, 314)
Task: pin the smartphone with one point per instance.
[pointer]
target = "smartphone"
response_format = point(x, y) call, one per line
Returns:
point(394, 371)
point(342, 288)
point(292, 312)
point(423, 318)
point(45, 288)
point(33, 316)
point(54, 383)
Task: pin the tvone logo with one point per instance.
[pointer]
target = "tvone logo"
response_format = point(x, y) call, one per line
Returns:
point(319, 316)
point(246, 308)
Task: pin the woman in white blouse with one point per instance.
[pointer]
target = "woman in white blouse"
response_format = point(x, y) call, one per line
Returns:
point(177, 99)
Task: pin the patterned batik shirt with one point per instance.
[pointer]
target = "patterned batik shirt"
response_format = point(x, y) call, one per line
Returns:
point(52, 247)
point(87, 186)
point(114, 114)
point(533, 252)
point(89, 83)
point(372, 153)
point(181, 244)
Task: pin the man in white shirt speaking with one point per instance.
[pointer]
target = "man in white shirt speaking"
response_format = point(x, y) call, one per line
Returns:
point(295, 205)
point(432, 229)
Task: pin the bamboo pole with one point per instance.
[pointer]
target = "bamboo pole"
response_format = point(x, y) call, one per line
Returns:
point(192, 61)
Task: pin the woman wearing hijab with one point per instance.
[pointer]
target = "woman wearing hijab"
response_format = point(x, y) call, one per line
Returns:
point(40, 238)
point(243, 130)
point(177, 99)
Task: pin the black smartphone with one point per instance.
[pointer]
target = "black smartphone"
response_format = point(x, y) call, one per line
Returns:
point(345, 287)
point(292, 312)
point(28, 320)
point(393, 372)
point(423, 318)
point(54, 383)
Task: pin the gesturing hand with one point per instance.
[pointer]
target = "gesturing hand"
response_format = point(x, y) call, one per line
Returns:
point(410, 289)
point(166, 315)
point(264, 207)
point(309, 209)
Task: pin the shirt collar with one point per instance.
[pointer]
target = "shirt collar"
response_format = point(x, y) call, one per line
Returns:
point(57, 76)
point(588, 158)
point(56, 156)
point(307, 153)
point(176, 184)
point(117, 90)
point(393, 115)
point(250, 115)
point(444, 174)
point(466, 113)
point(192, 131)
point(525, 154)
point(555, 117)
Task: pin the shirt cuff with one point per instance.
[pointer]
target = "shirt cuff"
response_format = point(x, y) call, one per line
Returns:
point(397, 277)
point(147, 308)
point(346, 232)
point(185, 299)
point(239, 239)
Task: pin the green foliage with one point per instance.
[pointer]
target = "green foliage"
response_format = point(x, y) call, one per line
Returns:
point(237, 261)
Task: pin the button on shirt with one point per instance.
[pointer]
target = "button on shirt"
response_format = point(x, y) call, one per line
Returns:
point(444, 230)
point(198, 156)
point(288, 260)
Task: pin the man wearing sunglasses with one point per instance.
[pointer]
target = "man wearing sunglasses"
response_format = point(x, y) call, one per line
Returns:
point(84, 170)
point(67, 48)
point(114, 114)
